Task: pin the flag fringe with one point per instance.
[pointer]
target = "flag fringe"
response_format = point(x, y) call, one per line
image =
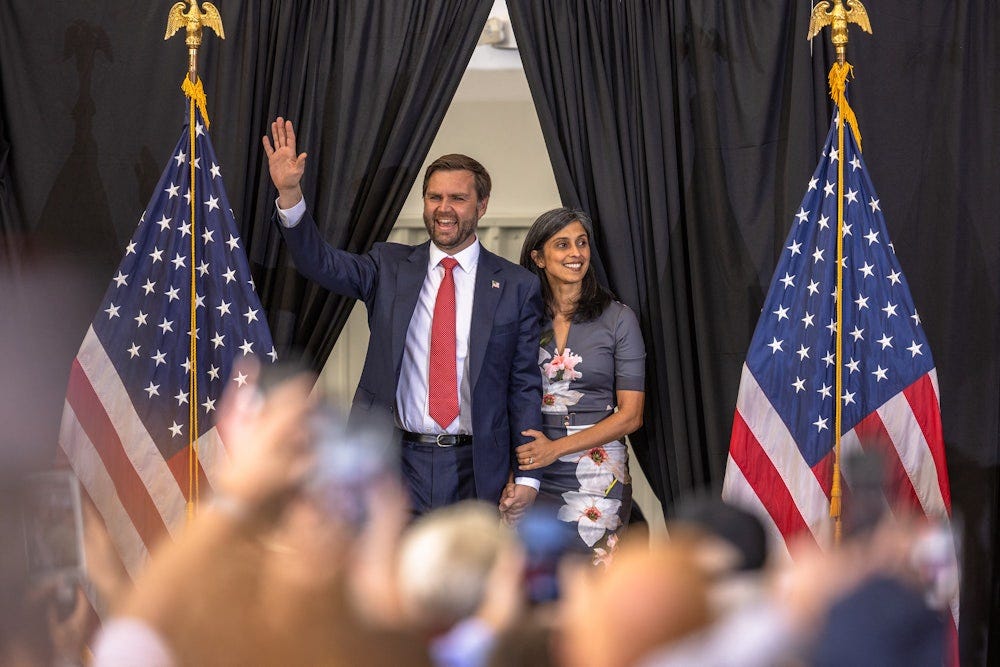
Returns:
point(839, 74)
point(197, 93)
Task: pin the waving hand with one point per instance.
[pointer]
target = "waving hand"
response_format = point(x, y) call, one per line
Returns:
point(285, 165)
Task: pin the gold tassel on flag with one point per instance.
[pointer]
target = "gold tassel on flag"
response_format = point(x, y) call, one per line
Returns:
point(193, 20)
point(837, 18)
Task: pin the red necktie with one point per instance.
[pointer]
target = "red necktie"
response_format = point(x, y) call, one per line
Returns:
point(442, 377)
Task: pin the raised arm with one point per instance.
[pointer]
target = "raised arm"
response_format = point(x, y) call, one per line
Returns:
point(337, 270)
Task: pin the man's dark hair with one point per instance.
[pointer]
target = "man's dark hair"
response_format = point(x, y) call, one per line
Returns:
point(459, 162)
point(594, 297)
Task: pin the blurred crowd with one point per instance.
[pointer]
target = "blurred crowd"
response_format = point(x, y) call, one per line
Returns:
point(274, 570)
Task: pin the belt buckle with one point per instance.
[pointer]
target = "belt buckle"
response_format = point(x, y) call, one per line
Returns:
point(440, 443)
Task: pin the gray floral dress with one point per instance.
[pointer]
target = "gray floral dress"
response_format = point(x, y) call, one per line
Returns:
point(592, 488)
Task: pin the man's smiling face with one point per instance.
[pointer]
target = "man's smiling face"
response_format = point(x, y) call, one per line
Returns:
point(452, 210)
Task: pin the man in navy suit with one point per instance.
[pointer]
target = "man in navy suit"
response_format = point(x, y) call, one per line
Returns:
point(453, 353)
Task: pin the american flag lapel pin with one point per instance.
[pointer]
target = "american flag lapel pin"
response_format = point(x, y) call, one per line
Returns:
point(496, 285)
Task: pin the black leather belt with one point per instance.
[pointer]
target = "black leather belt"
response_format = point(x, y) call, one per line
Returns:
point(441, 440)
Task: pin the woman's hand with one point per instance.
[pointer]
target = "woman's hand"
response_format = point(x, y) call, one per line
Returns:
point(538, 453)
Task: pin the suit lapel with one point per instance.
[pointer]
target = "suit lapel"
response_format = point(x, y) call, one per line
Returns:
point(489, 287)
point(409, 281)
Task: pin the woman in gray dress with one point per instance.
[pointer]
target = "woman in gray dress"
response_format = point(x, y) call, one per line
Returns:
point(592, 361)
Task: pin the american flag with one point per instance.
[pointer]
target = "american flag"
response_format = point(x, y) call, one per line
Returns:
point(125, 427)
point(781, 452)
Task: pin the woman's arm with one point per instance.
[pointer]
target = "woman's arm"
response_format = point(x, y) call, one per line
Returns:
point(542, 451)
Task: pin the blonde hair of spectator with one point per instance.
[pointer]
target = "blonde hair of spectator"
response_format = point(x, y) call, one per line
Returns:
point(445, 560)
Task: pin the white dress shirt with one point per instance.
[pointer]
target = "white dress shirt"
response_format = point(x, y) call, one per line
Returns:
point(411, 393)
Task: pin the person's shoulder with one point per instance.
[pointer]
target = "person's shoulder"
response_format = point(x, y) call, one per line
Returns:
point(616, 311)
point(393, 246)
point(396, 250)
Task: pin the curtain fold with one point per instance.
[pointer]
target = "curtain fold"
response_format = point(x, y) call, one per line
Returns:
point(689, 129)
point(668, 135)
point(367, 85)
point(10, 231)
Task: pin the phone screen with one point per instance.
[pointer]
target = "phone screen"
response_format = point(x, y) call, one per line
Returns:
point(53, 525)
point(350, 458)
point(547, 541)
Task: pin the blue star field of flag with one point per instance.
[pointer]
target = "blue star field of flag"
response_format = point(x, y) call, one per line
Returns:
point(884, 346)
point(144, 319)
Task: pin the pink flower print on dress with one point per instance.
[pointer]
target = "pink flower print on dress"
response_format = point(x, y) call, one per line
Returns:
point(598, 455)
point(569, 362)
point(561, 366)
point(556, 394)
point(605, 556)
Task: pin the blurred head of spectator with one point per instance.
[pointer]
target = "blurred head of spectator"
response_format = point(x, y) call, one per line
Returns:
point(737, 529)
point(649, 598)
point(444, 564)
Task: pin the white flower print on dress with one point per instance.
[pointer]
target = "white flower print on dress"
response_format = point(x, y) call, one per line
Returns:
point(598, 467)
point(593, 514)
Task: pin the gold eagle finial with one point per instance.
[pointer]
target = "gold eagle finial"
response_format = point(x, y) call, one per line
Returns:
point(194, 19)
point(837, 18)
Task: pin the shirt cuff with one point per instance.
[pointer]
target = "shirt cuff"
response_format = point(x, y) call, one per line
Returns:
point(289, 217)
point(528, 481)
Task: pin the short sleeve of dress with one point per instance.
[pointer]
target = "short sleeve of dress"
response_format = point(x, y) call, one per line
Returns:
point(630, 352)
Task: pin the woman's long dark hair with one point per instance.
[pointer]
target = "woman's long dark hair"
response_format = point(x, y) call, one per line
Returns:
point(594, 297)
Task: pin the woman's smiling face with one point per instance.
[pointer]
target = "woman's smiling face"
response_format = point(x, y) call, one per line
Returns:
point(565, 256)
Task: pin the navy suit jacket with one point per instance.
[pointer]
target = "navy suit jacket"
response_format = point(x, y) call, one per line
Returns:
point(503, 342)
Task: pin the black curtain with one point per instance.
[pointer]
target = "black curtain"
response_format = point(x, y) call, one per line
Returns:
point(667, 129)
point(9, 230)
point(90, 107)
point(367, 85)
point(689, 130)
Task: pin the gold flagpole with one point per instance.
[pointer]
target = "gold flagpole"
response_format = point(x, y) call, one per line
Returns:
point(193, 21)
point(837, 18)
